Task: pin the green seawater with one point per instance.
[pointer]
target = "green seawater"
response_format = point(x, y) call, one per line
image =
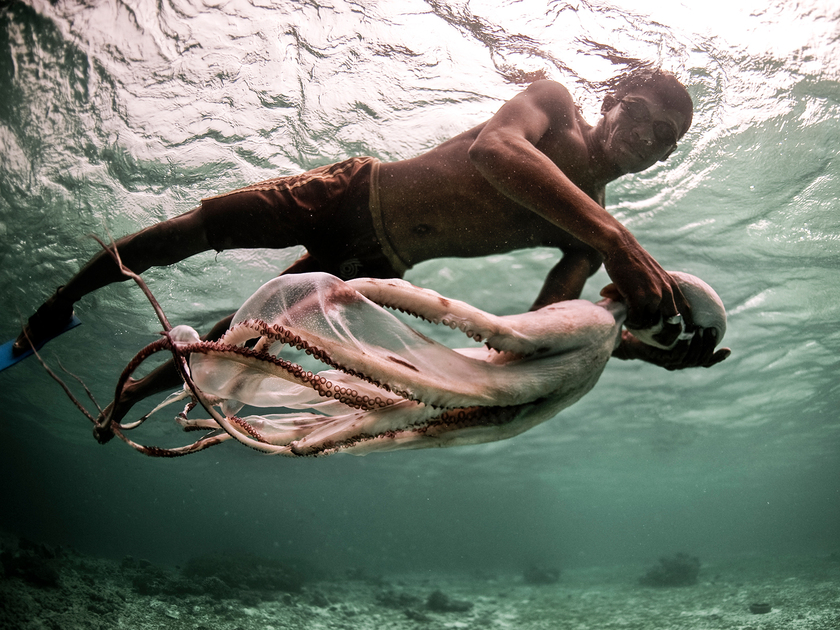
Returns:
point(116, 115)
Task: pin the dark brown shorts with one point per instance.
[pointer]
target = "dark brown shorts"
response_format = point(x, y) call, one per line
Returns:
point(326, 210)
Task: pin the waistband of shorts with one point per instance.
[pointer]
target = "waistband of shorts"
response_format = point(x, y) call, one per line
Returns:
point(388, 250)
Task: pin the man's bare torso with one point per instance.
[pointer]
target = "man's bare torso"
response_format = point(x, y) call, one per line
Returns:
point(439, 205)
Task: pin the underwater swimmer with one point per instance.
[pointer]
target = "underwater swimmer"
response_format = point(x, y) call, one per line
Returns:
point(532, 175)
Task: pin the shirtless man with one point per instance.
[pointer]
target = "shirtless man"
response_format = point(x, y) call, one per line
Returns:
point(532, 175)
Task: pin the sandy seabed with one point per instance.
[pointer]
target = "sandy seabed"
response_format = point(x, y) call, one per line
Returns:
point(61, 589)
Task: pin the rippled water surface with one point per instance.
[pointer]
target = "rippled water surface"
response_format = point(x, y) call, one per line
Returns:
point(116, 115)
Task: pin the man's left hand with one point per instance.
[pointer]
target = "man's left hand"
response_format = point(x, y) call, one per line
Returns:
point(699, 351)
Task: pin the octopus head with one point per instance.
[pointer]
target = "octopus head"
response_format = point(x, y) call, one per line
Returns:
point(706, 307)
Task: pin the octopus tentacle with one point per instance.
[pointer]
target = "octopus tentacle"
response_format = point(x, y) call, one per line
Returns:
point(272, 365)
point(404, 376)
point(156, 451)
point(436, 431)
point(433, 307)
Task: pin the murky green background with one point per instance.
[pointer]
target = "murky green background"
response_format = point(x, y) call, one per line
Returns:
point(114, 116)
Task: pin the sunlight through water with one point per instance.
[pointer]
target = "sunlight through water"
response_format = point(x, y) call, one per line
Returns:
point(117, 115)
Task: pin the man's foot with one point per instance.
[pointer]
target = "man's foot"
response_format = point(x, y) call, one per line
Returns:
point(49, 320)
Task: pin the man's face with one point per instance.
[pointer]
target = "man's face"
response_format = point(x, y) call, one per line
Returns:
point(640, 130)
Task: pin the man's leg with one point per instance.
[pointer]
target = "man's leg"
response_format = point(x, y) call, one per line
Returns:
point(166, 377)
point(158, 245)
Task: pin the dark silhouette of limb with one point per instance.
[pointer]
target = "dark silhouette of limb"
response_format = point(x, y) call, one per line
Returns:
point(166, 377)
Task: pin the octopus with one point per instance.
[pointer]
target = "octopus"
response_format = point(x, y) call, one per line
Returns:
point(312, 365)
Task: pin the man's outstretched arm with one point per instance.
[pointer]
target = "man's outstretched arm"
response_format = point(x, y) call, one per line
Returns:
point(506, 154)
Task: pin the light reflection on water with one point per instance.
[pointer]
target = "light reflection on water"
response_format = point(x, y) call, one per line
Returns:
point(122, 115)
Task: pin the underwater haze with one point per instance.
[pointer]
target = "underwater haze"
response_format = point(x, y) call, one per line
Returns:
point(114, 116)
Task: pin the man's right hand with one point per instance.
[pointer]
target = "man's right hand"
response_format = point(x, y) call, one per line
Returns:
point(650, 293)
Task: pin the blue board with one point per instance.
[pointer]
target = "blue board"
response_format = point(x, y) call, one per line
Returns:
point(7, 359)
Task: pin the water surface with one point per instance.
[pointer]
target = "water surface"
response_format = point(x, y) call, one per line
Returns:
point(115, 116)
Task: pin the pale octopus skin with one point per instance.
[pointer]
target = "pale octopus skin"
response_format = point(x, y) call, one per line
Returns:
point(391, 387)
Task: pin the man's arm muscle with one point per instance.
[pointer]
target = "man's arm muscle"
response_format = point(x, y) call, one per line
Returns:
point(506, 154)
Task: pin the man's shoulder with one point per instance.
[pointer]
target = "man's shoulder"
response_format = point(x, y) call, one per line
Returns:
point(550, 91)
point(548, 85)
point(554, 99)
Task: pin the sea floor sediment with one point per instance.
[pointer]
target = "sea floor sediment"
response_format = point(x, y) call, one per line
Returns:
point(63, 589)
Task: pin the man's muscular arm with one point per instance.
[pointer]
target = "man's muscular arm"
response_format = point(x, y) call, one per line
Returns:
point(566, 279)
point(506, 154)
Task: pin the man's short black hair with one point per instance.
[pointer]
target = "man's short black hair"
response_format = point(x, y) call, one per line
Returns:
point(668, 88)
